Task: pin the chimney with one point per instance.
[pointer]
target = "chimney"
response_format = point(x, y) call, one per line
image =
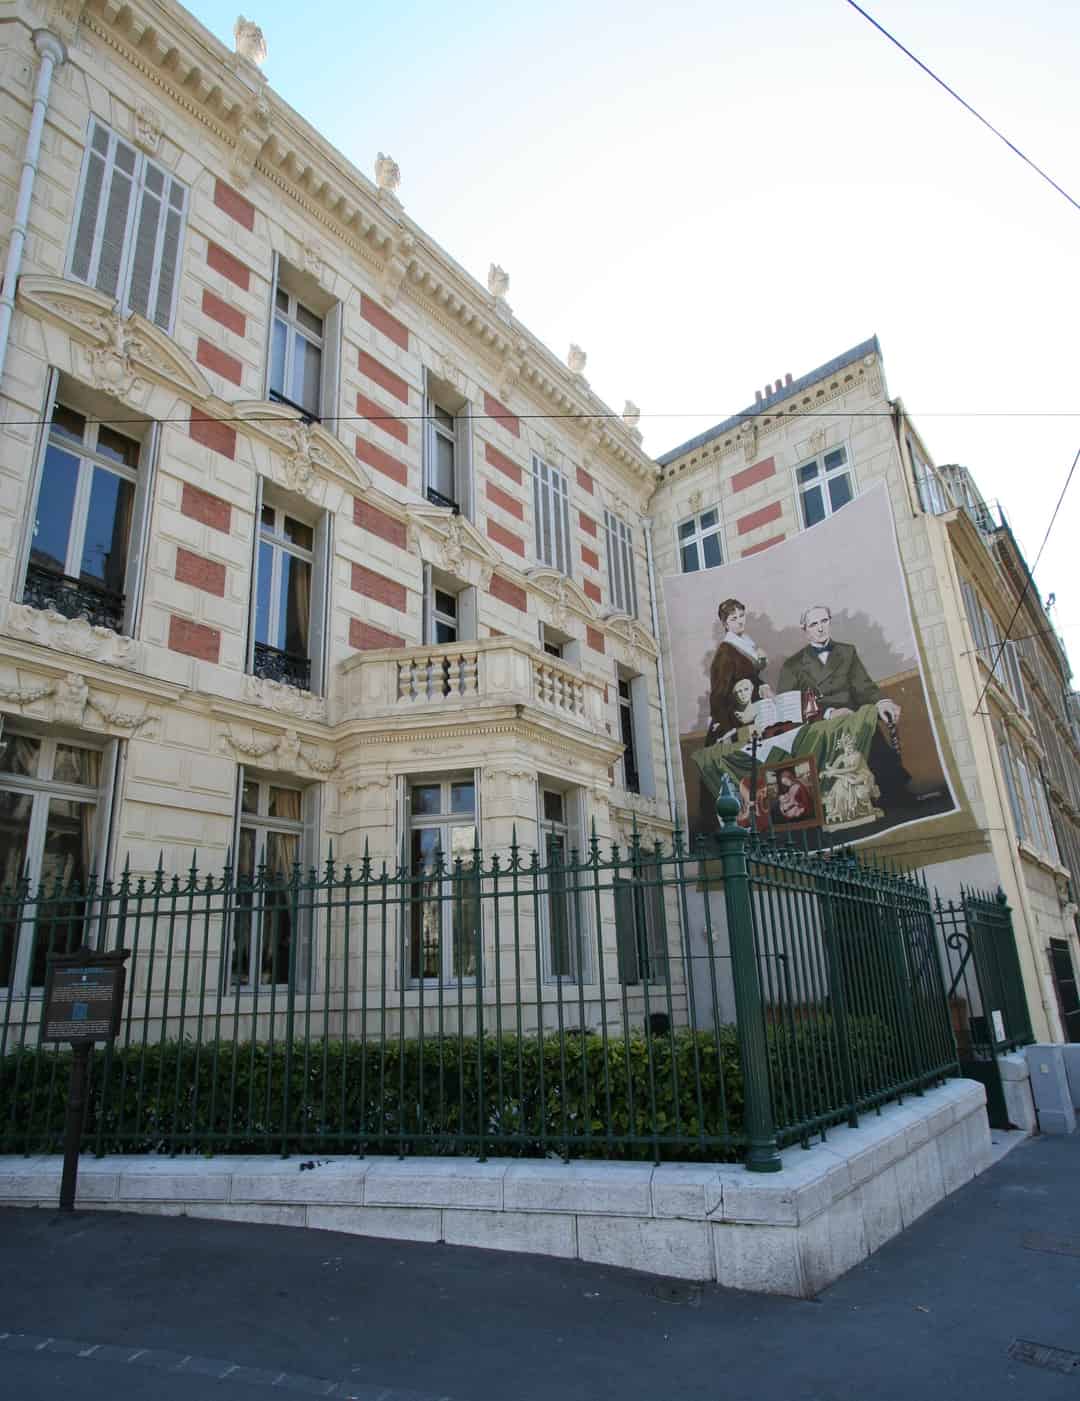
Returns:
point(777, 387)
point(757, 396)
point(787, 380)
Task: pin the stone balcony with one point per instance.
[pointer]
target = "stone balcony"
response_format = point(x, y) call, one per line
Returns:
point(424, 683)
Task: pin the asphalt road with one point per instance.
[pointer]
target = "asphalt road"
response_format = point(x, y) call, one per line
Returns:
point(241, 1313)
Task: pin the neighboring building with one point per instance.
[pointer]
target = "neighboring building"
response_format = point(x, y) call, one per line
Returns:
point(307, 542)
point(796, 458)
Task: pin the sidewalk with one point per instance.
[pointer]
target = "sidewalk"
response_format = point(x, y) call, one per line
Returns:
point(262, 1311)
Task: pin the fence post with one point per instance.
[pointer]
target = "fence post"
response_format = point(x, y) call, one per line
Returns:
point(763, 1154)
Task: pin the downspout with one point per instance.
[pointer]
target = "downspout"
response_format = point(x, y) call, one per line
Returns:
point(52, 52)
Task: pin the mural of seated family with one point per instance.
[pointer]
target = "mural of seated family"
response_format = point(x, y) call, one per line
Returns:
point(818, 706)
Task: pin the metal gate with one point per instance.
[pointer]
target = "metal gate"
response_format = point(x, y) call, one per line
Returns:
point(985, 989)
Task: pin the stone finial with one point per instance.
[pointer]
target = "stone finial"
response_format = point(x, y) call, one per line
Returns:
point(249, 39)
point(631, 414)
point(387, 173)
point(575, 359)
point(498, 281)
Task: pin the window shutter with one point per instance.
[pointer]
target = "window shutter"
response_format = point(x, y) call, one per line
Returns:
point(254, 577)
point(138, 537)
point(114, 221)
point(107, 810)
point(330, 389)
point(144, 255)
point(321, 588)
point(274, 269)
point(639, 706)
point(428, 603)
point(169, 240)
point(465, 486)
point(466, 600)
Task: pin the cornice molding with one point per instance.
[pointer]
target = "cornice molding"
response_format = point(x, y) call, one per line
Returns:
point(263, 134)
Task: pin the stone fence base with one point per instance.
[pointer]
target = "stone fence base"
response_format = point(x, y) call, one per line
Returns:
point(791, 1232)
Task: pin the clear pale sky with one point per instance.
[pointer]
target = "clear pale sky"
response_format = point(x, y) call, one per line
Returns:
point(706, 197)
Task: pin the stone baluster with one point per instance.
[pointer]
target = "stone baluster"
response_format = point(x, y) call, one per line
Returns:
point(470, 674)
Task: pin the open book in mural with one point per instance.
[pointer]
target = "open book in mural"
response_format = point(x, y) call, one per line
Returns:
point(797, 675)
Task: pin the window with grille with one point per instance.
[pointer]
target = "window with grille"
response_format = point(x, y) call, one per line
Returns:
point(551, 506)
point(825, 484)
point(622, 584)
point(305, 345)
point(443, 926)
point(700, 543)
point(290, 595)
point(90, 509)
point(128, 227)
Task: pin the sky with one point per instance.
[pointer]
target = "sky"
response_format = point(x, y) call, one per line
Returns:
point(706, 197)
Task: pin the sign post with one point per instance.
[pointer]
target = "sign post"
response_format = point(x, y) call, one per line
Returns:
point(84, 1001)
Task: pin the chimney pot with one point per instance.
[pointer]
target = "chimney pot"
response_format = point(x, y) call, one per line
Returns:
point(757, 396)
point(777, 387)
point(787, 379)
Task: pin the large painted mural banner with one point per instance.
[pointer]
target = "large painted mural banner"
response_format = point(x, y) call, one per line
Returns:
point(797, 675)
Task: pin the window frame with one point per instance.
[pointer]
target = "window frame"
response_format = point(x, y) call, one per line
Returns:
point(41, 790)
point(821, 481)
point(320, 559)
point(443, 822)
point(441, 397)
point(67, 393)
point(569, 833)
point(622, 574)
point(141, 164)
point(302, 289)
point(696, 540)
point(631, 773)
point(307, 828)
point(551, 509)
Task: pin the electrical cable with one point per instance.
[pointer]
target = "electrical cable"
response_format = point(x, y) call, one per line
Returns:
point(1027, 584)
point(966, 105)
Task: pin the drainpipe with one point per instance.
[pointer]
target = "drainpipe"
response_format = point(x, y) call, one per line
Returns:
point(52, 52)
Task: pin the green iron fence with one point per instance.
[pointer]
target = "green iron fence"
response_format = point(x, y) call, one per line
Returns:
point(616, 1002)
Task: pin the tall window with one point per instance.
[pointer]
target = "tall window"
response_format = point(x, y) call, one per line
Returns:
point(619, 541)
point(128, 227)
point(49, 831)
point(305, 338)
point(627, 733)
point(444, 908)
point(290, 596)
point(551, 504)
point(447, 446)
point(271, 926)
point(561, 906)
point(80, 556)
point(933, 497)
point(640, 925)
point(296, 353)
point(825, 485)
point(700, 545)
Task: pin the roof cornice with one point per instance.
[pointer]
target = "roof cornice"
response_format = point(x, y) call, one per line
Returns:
point(262, 133)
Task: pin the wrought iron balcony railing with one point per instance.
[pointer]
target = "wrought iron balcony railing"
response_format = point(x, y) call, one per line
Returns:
point(73, 598)
point(272, 664)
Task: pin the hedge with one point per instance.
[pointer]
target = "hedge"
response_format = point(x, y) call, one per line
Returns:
point(677, 1096)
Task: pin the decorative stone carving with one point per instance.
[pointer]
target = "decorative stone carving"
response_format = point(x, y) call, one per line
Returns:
point(695, 501)
point(816, 442)
point(452, 551)
point(148, 128)
point(313, 263)
point(498, 281)
point(376, 785)
point(285, 700)
point(307, 451)
point(513, 362)
point(71, 635)
point(396, 266)
point(576, 360)
point(64, 17)
point(748, 436)
point(632, 635)
point(631, 414)
point(252, 133)
point(451, 372)
point(69, 700)
point(493, 775)
point(26, 695)
point(285, 752)
point(563, 594)
point(550, 451)
point(249, 41)
point(387, 173)
point(127, 722)
point(112, 366)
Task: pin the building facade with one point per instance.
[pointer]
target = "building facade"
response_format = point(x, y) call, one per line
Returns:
point(309, 546)
point(791, 463)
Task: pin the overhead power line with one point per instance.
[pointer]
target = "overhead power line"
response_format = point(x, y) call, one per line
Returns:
point(966, 105)
point(1027, 582)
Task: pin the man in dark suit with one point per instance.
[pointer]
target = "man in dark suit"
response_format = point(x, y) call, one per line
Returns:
point(833, 670)
point(842, 684)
